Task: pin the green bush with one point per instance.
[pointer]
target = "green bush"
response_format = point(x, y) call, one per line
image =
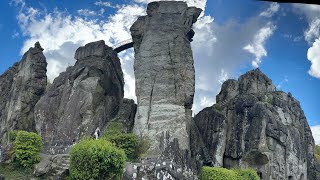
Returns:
point(127, 142)
point(317, 153)
point(13, 135)
point(114, 128)
point(210, 173)
point(28, 146)
point(247, 174)
point(96, 159)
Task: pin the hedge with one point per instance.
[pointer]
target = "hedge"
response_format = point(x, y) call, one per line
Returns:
point(211, 173)
point(96, 159)
point(28, 147)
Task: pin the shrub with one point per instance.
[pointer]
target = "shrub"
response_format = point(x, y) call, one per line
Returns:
point(96, 159)
point(114, 128)
point(28, 146)
point(210, 173)
point(248, 174)
point(12, 135)
point(127, 142)
point(317, 153)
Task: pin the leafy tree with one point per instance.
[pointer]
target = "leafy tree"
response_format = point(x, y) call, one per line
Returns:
point(28, 147)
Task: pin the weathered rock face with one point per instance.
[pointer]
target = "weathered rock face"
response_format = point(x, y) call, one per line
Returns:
point(164, 74)
point(86, 96)
point(165, 77)
point(253, 125)
point(20, 89)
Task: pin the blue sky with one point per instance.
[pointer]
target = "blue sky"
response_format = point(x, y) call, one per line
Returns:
point(232, 37)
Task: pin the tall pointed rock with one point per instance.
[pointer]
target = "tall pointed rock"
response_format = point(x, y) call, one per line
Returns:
point(165, 77)
point(21, 86)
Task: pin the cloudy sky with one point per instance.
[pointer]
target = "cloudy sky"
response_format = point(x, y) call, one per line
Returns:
point(232, 37)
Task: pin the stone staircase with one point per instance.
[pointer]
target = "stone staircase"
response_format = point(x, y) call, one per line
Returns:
point(60, 164)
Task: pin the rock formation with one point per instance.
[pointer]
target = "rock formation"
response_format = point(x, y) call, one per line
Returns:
point(20, 89)
point(164, 73)
point(253, 125)
point(165, 77)
point(84, 97)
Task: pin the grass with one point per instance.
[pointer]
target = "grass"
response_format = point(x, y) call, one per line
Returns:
point(14, 172)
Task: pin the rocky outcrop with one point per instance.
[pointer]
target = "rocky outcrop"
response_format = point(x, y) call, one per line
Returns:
point(253, 125)
point(20, 89)
point(83, 98)
point(165, 77)
point(53, 166)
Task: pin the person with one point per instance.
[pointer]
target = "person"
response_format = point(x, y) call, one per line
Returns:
point(97, 133)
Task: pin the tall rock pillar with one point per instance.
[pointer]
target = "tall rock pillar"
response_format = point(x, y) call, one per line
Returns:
point(165, 77)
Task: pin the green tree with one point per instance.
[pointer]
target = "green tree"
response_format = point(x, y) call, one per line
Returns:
point(28, 147)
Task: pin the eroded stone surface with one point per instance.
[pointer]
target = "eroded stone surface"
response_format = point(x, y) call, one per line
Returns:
point(253, 125)
point(84, 97)
point(165, 78)
point(20, 89)
point(164, 73)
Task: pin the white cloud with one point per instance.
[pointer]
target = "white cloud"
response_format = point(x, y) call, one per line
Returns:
point(282, 82)
point(274, 7)
point(312, 35)
point(219, 51)
point(313, 32)
point(86, 12)
point(256, 47)
point(216, 53)
point(314, 57)
point(104, 3)
point(316, 134)
point(60, 34)
point(15, 35)
point(223, 76)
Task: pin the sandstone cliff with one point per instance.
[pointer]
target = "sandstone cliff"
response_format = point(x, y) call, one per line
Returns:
point(165, 80)
point(253, 125)
point(164, 73)
point(83, 98)
point(20, 89)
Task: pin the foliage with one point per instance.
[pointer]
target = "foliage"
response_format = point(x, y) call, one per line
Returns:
point(248, 174)
point(12, 171)
point(317, 153)
point(217, 107)
point(127, 142)
point(210, 173)
point(96, 159)
point(28, 146)
point(12, 135)
point(130, 143)
point(114, 128)
point(143, 146)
